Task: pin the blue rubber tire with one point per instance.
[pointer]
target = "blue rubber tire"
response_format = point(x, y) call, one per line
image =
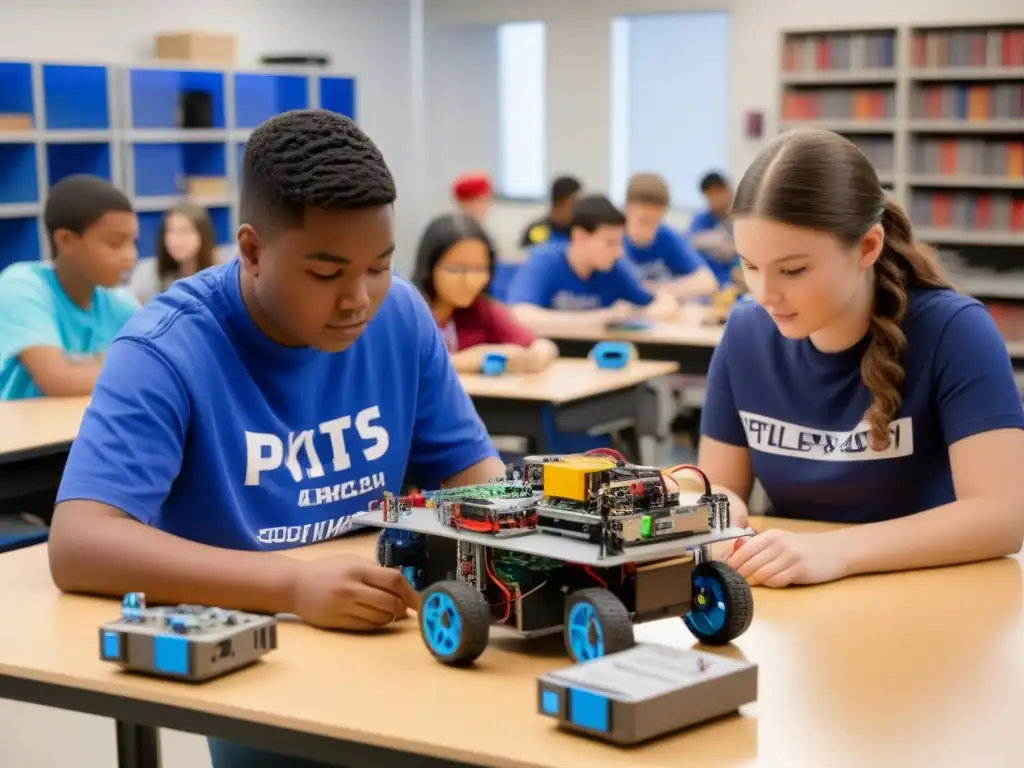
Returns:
point(596, 624)
point(455, 622)
point(722, 605)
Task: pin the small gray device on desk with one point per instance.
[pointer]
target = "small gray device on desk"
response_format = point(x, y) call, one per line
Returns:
point(644, 692)
point(185, 642)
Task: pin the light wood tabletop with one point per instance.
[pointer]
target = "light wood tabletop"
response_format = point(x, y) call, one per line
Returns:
point(28, 426)
point(566, 380)
point(913, 669)
point(689, 331)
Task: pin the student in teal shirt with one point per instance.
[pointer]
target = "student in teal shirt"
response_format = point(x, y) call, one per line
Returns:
point(57, 319)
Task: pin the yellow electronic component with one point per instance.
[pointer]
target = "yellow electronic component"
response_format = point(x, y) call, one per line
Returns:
point(571, 479)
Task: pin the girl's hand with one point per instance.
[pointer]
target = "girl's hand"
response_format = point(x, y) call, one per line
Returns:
point(777, 558)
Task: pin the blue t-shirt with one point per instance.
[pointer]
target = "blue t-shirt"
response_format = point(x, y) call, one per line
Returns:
point(801, 411)
point(721, 266)
point(665, 257)
point(202, 426)
point(35, 312)
point(547, 280)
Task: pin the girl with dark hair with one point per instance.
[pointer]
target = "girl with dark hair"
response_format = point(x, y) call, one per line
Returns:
point(454, 266)
point(184, 245)
point(860, 387)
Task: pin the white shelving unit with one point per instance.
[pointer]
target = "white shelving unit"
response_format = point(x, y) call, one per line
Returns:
point(939, 109)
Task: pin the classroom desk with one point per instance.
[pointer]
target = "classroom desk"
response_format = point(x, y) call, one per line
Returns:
point(571, 395)
point(913, 669)
point(688, 343)
point(35, 436)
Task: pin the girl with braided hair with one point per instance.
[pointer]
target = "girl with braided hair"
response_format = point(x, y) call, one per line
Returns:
point(860, 387)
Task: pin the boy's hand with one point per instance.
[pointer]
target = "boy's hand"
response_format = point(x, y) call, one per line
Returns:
point(349, 592)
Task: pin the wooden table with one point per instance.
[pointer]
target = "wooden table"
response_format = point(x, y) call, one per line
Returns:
point(913, 669)
point(688, 343)
point(573, 395)
point(35, 436)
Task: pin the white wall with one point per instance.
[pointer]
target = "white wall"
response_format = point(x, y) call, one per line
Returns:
point(579, 71)
point(369, 39)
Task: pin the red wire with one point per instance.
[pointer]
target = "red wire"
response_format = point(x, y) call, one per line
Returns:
point(607, 452)
point(501, 586)
point(707, 483)
point(594, 576)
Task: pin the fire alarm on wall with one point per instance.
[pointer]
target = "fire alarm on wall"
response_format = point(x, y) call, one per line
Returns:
point(755, 125)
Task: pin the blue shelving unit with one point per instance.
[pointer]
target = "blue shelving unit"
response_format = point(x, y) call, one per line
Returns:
point(147, 129)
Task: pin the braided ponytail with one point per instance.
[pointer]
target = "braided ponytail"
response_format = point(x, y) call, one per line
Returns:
point(902, 264)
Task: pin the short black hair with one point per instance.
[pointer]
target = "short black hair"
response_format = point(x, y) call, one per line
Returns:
point(713, 180)
point(310, 158)
point(564, 187)
point(593, 211)
point(439, 236)
point(77, 202)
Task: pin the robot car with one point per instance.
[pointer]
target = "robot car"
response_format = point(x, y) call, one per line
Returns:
point(587, 545)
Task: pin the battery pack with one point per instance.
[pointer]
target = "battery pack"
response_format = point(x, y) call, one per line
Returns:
point(645, 692)
point(186, 642)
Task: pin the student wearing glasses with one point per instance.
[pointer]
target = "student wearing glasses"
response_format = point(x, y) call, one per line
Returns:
point(454, 265)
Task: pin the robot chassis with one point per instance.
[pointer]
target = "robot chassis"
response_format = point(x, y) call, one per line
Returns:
point(587, 545)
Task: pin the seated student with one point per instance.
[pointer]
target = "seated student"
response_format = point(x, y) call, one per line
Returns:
point(474, 195)
point(257, 405)
point(661, 257)
point(860, 387)
point(454, 264)
point(585, 280)
point(57, 319)
point(554, 227)
point(184, 245)
point(711, 233)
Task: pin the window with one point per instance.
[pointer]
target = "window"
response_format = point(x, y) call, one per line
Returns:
point(670, 97)
point(522, 110)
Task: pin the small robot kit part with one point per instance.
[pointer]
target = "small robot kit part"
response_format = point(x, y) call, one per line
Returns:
point(613, 355)
point(645, 692)
point(583, 545)
point(193, 643)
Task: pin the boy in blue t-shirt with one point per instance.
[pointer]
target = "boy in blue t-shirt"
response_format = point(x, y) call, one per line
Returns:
point(711, 234)
point(257, 405)
point(57, 319)
point(660, 256)
point(585, 280)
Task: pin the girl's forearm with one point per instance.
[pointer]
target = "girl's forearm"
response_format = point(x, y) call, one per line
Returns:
point(961, 532)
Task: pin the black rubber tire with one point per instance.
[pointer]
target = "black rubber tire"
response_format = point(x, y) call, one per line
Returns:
point(474, 614)
point(615, 622)
point(739, 603)
point(380, 547)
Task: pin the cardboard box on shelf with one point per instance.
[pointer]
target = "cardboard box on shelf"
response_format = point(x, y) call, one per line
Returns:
point(206, 186)
point(13, 121)
point(197, 47)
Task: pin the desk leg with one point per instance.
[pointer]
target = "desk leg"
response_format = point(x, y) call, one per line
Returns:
point(138, 746)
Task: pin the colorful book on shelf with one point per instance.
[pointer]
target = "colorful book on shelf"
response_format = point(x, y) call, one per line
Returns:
point(937, 49)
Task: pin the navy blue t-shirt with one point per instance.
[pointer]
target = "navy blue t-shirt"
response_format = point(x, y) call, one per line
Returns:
point(202, 426)
point(667, 256)
point(546, 280)
point(721, 266)
point(801, 411)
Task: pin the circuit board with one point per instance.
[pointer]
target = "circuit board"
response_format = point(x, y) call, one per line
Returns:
point(424, 520)
point(185, 642)
point(645, 692)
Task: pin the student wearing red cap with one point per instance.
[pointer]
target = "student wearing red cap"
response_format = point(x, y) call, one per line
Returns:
point(474, 194)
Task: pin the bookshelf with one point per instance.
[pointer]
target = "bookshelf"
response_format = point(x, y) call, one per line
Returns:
point(161, 133)
point(939, 110)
